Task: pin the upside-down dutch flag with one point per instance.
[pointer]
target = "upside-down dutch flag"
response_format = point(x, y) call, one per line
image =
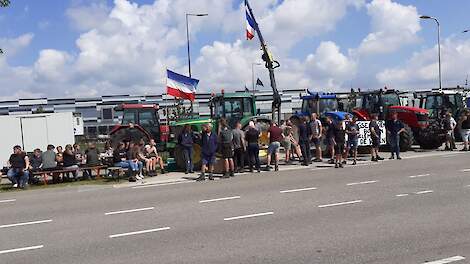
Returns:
point(181, 86)
point(250, 23)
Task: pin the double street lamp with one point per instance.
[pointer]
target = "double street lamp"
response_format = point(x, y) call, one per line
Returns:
point(438, 45)
point(187, 36)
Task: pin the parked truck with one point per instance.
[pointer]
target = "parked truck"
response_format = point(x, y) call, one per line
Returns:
point(37, 131)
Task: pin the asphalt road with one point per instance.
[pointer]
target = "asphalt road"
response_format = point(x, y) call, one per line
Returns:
point(412, 211)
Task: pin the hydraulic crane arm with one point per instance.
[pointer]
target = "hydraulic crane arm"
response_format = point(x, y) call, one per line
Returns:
point(270, 64)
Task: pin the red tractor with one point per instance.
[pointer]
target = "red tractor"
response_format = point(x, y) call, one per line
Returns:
point(416, 120)
point(139, 121)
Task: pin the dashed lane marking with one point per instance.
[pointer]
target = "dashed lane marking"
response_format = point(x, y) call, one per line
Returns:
point(220, 199)
point(447, 260)
point(420, 175)
point(360, 183)
point(425, 192)
point(140, 232)
point(20, 249)
point(130, 211)
point(26, 223)
point(299, 190)
point(338, 204)
point(248, 216)
point(402, 195)
point(8, 201)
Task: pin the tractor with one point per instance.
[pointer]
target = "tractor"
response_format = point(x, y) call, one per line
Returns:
point(139, 121)
point(416, 120)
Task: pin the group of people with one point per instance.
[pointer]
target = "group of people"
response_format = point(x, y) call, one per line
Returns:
point(134, 156)
point(462, 126)
point(22, 166)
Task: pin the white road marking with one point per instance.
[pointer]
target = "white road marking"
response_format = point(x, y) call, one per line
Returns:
point(359, 183)
point(318, 169)
point(465, 170)
point(149, 185)
point(425, 192)
point(140, 232)
point(20, 249)
point(402, 195)
point(130, 211)
point(299, 190)
point(8, 201)
point(26, 223)
point(447, 260)
point(342, 203)
point(220, 199)
point(248, 216)
point(420, 176)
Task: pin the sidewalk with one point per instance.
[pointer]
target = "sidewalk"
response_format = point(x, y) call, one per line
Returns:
point(363, 160)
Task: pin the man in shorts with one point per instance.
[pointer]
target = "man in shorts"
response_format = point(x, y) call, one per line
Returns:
point(330, 138)
point(317, 129)
point(275, 137)
point(375, 135)
point(352, 130)
point(209, 149)
point(226, 138)
point(339, 142)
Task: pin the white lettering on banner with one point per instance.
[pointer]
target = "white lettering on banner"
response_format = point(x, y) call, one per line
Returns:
point(364, 133)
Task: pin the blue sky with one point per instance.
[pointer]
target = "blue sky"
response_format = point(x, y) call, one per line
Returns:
point(54, 29)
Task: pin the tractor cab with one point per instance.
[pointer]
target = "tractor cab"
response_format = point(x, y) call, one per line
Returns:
point(322, 104)
point(377, 102)
point(437, 103)
point(138, 121)
point(234, 107)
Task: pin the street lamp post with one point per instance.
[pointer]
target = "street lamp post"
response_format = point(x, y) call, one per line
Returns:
point(187, 37)
point(438, 46)
point(253, 75)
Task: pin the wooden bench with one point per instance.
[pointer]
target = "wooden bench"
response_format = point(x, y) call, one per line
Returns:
point(97, 169)
point(116, 172)
point(45, 173)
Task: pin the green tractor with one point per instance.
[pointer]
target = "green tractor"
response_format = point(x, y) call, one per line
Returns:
point(232, 106)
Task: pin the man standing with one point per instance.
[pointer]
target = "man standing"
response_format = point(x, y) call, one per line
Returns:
point(317, 129)
point(449, 126)
point(375, 134)
point(352, 130)
point(209, 149)
point(330, 138)
point(252, 138)
point(395, 127)
point(226, 138)
point(18, 173)
point(239, 146)
point(186, 141)
point(275, 137)
point(304, 141)
point(339, 141)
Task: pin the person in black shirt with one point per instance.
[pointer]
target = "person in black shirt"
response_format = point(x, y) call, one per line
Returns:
point(252, 137)
point(464, 125)
point(18, 173)
point(70, 161)
point(395, 127)
point(304, 141)
point(339, 142)
point(375, 135)
point(330, 134)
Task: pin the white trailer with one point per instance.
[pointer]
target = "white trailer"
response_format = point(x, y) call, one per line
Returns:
point(35, 131)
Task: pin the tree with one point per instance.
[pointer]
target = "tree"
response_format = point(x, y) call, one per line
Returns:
point(4, 3)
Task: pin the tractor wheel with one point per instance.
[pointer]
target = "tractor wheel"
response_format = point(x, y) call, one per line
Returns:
point(431, 138)
point(406, 139)
point(197, 157)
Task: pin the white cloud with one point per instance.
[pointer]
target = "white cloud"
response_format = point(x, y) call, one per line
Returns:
point(394, 26)
point(421, 70)
point(11, 46)
point(86, 17)
point(51, 66)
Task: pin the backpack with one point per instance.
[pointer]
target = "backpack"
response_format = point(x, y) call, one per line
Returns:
point(226, 136)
